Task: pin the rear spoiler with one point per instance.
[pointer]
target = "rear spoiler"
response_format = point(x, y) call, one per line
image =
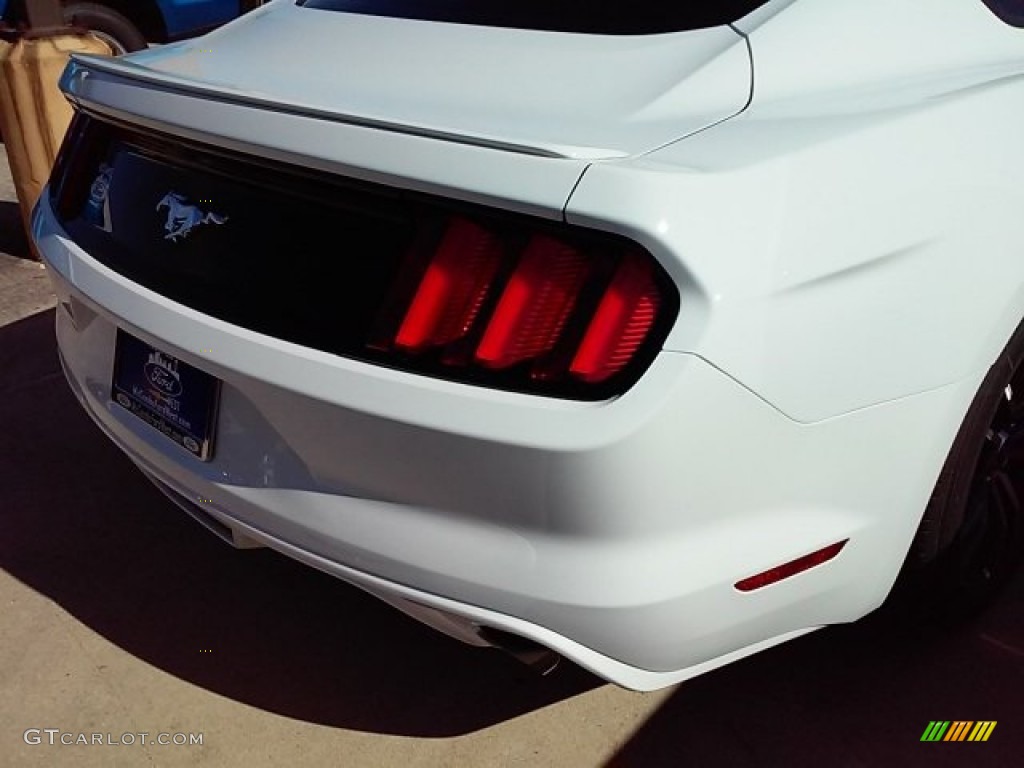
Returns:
point(75, 84)
point(516, 178)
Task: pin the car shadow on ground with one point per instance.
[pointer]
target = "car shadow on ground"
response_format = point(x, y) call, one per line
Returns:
point(81, 526)
point(852, 696)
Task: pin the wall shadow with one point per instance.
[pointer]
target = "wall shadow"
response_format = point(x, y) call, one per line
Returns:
point(12, 234)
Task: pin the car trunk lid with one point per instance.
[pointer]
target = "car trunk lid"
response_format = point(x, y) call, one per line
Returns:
point(583, 96)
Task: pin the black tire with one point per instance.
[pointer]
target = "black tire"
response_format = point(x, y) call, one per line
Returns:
point(971, 538)
point(113, 28)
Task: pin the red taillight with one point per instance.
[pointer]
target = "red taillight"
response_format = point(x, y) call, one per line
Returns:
point(453, 287)
point(535, 304)
point(530, 311)
point(792, 568)
point(622, 321)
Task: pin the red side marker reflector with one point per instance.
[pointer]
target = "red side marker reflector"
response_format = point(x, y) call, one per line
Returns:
point(793, 567)
point(535, 304)
point(453, 288)
point(622, 321)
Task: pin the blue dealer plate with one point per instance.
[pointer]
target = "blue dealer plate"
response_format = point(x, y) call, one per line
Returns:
point(171, 396)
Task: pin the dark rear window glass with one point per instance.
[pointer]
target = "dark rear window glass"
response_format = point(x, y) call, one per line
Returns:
point(1010, 11)
point(643, 17)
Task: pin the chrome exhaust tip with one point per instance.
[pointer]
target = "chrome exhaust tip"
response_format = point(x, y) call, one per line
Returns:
point(537, 657)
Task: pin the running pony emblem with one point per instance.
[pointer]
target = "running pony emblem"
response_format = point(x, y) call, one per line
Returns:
point(182, 218)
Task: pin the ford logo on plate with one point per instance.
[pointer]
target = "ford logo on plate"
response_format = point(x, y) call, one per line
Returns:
point(162, 372)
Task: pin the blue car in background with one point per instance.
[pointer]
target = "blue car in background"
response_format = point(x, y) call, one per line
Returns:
point(128, 25)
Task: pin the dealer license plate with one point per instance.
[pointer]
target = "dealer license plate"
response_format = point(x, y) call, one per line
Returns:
point(171, 396)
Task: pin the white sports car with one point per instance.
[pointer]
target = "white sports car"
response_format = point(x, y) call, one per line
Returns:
point(650, 335)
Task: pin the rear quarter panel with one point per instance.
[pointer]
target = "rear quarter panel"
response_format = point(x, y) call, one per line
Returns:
point(855, 236)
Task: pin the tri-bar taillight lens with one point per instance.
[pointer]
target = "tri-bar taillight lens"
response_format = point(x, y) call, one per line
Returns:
point(551, 310)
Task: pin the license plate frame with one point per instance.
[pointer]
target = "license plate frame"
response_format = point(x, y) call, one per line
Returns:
point(174, 398)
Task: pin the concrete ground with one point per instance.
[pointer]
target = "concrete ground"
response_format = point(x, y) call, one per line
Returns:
point(120, 616)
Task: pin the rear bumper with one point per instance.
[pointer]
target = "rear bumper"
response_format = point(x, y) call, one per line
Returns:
point(611, 532)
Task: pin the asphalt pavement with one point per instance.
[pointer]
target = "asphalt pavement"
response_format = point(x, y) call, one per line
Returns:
point(120, 617)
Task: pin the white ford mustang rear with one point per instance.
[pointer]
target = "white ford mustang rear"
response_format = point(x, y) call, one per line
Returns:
point(651, 336)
